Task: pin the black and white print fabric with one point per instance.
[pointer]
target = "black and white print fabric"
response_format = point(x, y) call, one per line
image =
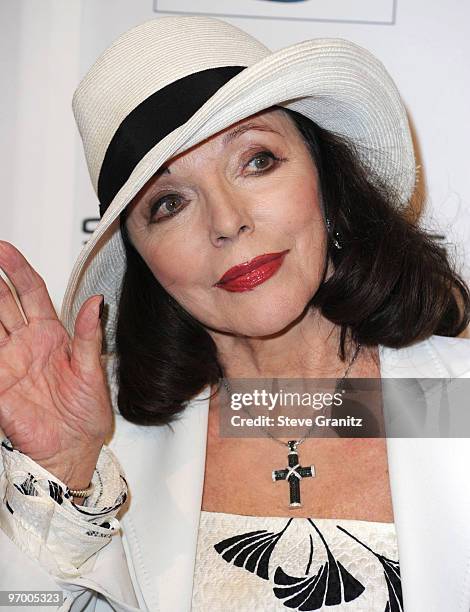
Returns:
point(278, 563)
point(38, 513)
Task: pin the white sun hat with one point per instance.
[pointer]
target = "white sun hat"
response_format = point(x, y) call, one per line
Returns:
point(169, 83)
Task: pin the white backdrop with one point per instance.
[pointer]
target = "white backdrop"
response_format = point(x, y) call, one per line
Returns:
point(48, 206)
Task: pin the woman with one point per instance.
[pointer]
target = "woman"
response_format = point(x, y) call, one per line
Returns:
point(253, 226)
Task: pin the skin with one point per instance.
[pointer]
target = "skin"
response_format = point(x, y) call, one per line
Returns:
point(226, 214)
point(54, 400)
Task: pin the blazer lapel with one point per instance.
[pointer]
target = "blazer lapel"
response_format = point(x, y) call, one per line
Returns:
point(165, 471)
point(431, 506)
point(431, 502)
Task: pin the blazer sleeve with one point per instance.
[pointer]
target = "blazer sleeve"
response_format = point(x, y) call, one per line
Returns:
point(48, 543)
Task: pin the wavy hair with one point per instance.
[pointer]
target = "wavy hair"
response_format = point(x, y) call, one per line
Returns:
point(393, 284)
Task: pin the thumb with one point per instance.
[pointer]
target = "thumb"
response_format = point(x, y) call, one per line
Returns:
point(88, 336)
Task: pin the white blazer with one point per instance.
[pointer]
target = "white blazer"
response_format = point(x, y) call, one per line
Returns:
point(150, 566)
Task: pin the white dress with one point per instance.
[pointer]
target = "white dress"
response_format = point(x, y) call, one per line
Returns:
point(262, 564)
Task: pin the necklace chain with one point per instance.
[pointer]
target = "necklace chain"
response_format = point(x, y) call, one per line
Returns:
point(228, 388)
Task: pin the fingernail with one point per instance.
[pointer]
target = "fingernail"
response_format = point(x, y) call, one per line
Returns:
point(100, 312)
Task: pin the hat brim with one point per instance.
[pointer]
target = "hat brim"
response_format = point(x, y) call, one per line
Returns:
point(337, 84)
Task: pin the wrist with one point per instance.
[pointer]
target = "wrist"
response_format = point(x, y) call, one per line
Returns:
point(79, 495)
point(79, 482)
point(76, 471)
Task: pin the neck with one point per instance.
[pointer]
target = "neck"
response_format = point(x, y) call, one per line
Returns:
point(308, 348)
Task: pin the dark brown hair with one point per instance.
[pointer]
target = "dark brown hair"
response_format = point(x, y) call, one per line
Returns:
point(393, 284)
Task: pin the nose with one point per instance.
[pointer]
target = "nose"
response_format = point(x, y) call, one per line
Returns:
point(229, 216)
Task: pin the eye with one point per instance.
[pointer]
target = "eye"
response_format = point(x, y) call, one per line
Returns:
point(264, 161)
point(167, 206)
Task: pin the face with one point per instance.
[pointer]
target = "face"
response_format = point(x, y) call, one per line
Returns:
point(249, 192)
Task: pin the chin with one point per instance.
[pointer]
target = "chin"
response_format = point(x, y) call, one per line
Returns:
point(268, 321)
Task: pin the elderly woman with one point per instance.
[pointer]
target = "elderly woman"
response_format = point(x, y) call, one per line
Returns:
point(254, 224)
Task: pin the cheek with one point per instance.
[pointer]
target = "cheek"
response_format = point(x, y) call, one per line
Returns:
point(176, 264)
point(305, 225)
point(299, 211)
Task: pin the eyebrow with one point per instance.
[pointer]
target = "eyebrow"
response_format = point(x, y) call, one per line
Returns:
point(231, 136)
point(241, 129)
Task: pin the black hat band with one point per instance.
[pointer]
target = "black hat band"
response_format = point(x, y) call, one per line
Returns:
point(152, 120)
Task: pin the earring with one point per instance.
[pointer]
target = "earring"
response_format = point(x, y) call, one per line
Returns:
point(335, 236)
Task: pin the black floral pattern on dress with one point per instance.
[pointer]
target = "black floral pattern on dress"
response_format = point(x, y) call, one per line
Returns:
point(251, 550)
point(331, 585)
point(391, 574)
point(323, 588)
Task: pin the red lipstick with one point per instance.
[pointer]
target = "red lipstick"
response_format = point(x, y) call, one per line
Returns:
point(250, 274)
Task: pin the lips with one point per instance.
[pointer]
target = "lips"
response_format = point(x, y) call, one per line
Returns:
point(244, 269)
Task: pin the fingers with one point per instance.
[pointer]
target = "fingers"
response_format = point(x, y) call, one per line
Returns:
point(30, 287)
point(86, 343)
point(11, 318)
point(3, 336)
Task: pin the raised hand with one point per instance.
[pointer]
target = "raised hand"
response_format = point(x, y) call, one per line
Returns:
point(54, 399)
